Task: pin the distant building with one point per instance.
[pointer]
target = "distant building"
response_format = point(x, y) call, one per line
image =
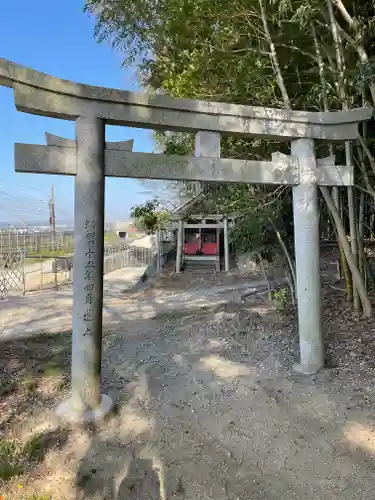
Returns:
point(124, 229)
point(126, 233)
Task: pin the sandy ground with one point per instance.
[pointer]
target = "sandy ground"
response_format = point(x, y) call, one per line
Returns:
point(51, 311)
point(207, 406)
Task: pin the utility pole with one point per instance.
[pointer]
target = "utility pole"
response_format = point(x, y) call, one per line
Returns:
point(52, 218)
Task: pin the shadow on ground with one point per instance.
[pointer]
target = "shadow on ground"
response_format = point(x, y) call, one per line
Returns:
point(208, 409)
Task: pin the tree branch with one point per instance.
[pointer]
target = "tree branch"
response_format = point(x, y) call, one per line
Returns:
point(367, 152)
point(370, 191)
point(275, 62)
point(345, 14)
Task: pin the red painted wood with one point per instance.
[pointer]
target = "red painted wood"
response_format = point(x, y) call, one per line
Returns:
point(209, 249)
point(191, 248)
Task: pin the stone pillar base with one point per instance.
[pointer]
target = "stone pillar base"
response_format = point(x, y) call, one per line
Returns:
point(68, 412)
point(306, 369)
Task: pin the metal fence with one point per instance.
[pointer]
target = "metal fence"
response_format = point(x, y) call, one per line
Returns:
point(19, 274)
point(126, 256)
point(44, 272)
point(22, 275)
point(35, 242)
point(11, 272)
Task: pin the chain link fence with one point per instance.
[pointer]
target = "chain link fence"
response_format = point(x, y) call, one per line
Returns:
point(11, 272)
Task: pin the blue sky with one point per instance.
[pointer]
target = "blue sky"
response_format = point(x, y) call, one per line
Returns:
point(57, 38)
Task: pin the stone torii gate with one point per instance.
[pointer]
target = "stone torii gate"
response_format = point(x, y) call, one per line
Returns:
point(89, 159)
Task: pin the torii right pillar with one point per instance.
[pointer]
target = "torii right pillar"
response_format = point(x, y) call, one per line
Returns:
point(307, 250)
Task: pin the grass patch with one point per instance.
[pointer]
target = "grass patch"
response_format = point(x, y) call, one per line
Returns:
point(15, 459)
point(26, 361)
point(30, 364)
point(52, 369)
point(10, 460)
point(36, 374)
point(111, 238)
point(29, 385)
point(37, 447)
point(7, 386)
point(281, 298)
point(37, 497)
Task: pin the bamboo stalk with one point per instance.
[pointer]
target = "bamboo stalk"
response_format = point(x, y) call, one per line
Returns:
point(274, 59)
point(286, 253)
point(361, 229)
point(348, 152)
point(366, 305)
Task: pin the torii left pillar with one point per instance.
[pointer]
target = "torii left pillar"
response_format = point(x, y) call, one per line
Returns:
point(86, 402)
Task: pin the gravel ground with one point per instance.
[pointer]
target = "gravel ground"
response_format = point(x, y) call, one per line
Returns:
point(194, 278)
point(207, 407)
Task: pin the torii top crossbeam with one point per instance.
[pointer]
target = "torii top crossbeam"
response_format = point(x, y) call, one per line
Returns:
point(42, 94)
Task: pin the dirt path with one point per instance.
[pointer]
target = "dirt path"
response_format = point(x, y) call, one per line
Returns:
point(222, 414)
point(207, 408)
point(51, 311)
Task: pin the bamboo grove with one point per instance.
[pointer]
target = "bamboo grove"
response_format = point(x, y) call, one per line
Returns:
point(306, 55)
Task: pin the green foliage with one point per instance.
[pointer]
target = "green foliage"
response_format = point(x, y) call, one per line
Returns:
point(37, 497)
point(213, 50)
point(220, 51)
point(208, 51)
point(29, 385)
point(7, 386)
point(281, 298)
point(53, 369)
point(15, 458)
point(36, 448)
point(175, 144)
point(148, 217)
point(259, 209)
point(10, 462)
point(253, 233)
